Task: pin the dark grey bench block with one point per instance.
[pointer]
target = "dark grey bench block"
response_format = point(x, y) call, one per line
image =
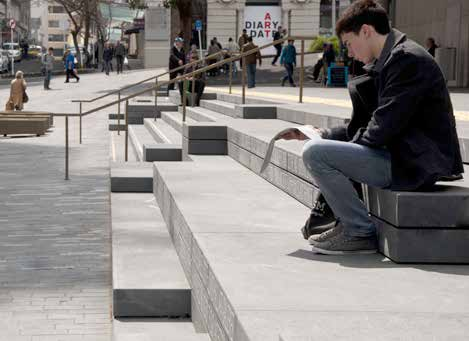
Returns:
point(162, 152)
point(205, 131)
point(131, 177)
point(152, 303)
point(426, 245)
point(256, 111)
point(464, 147)
point(205, 147)
point(447, 207)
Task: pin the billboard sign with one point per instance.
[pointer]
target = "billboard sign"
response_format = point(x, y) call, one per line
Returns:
point(261, 22)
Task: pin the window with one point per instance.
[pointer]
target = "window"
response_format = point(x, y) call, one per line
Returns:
point(56, 37)
point(58, 52)
point(56, 9)
point(54, 23)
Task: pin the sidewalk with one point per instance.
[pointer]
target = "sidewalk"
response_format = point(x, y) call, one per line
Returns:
point(55, 266)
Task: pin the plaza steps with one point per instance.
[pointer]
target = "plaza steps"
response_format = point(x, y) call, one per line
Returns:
point(175, 97)
point(147, 329)
point(253, 277)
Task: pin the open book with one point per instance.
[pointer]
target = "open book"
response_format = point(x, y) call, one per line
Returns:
point(306, 130)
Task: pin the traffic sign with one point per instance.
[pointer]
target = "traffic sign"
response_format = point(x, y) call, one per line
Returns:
point(198, 25)
point(12, 23)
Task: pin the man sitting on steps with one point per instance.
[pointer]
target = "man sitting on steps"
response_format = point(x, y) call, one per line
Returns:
point(407, 143)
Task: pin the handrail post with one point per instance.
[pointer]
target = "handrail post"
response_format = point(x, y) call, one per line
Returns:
point(193, 92)
point(66, 148)
point(302, 70)
point(126, 131)
point(244, 80)
point(156, 97)
point(119, 113)
point(231, 76)
point(80, 119)
point(184, 98)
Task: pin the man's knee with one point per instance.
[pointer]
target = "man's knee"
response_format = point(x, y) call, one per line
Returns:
point(314, 152)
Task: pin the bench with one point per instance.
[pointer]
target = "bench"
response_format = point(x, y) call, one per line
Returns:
point(23, 125)
point(30, 114)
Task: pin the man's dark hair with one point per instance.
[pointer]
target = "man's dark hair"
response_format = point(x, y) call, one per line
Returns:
point(245, 31)
point(250, 39)
point(363, 12)
point(51, 49)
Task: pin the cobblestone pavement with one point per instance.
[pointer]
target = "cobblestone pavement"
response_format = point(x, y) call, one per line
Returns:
point(55, 266)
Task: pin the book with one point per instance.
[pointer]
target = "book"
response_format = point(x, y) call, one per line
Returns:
point(308, 131)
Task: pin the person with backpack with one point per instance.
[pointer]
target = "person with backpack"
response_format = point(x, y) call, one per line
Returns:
point(70, 67)
point(288, 60)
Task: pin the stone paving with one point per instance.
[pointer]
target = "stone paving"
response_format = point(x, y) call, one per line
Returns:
point(55, 266)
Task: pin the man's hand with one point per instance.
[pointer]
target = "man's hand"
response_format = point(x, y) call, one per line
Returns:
point(180, 62)
point(294, 135)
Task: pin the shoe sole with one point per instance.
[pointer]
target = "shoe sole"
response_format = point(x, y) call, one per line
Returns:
point(318, 250)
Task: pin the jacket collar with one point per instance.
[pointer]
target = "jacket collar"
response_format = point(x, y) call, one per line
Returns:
point(394, 38)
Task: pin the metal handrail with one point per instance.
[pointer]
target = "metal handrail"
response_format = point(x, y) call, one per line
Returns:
point(179, 68)
point(158, 84)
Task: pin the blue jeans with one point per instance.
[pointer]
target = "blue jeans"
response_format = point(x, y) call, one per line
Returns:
point(333, 164)
point(289, 76)
point(251, 71)
point(47, 78)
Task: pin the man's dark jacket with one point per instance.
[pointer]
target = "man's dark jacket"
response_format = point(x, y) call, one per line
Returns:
point(174, 58)
point(405, 108)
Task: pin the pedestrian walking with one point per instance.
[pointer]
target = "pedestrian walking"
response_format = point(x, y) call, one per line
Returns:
point(242, 40)
point(279, 34)
point(17, 93)
point(107, 58)
point(288, 60)
point(48, 66)
point(70, 67)
point(120, 55)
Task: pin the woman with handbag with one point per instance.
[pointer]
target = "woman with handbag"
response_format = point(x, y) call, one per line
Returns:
point(18, 94)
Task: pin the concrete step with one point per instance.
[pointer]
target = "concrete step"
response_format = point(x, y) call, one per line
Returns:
point(222, 107)
point(174, 119)
point(319, 115)
point(148, 149)
point(131, 177)
point(148, 280)
point(115, 116)
point(250, 270)
point(237, 99)
point(175, 97)
point(156, 330)
point(162, 132)
point(117, 144)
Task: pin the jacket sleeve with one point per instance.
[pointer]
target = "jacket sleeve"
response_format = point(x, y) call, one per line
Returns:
point(404, 84)
point(282, 56)
point(294, 55)
point(173, 58)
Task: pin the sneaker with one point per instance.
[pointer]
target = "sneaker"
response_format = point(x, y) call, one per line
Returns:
point(283, 82)
point(340, 244)
point(332, 232)
point(321, 218)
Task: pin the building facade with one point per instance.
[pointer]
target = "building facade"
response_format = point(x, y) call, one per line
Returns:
point(20, 11)
point(445, 20)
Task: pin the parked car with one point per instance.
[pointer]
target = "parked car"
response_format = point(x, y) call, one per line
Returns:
point(14, 50)
point(35, 51)
point(5, 61)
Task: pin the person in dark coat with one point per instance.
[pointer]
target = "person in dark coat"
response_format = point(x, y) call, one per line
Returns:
point(177, 58)
point(279, 34)
point(107, 58)
point(199, 80)
point(402, 137)
point(431, 46)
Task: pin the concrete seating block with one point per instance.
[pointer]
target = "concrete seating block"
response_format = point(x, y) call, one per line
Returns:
point(205, 147)
point(162, 152)
point(131, 177)
point(423, 245)
point(205, 131)
point(422, 209)
point(30, 114)
point(256, 111)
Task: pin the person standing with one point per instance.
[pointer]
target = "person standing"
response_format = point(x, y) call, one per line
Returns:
point(431, 46)
point(177, 57)
point(199, 80)
point(120, 55)
point(242, 40)
point(278, 47)
point(48, 66)
point(288, 60)
point(17, 93)
point(213, 49)
point(251, 62)
point(70, 67)
point(107, 58)
point(232, 50)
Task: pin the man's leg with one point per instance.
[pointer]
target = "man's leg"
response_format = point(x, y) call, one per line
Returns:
point(67, 73)
point(199, 88)
point(249, 74)
point(333, 164)
point(290, 74)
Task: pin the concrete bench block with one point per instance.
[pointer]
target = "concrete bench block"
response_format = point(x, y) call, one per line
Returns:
point(162, 152)
point(464, 147)
point(447, 206)
point(423, 245)
point(205, 147)
point(19, 125)
point(205, 131)
point(256, 111)
point(131, 177)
